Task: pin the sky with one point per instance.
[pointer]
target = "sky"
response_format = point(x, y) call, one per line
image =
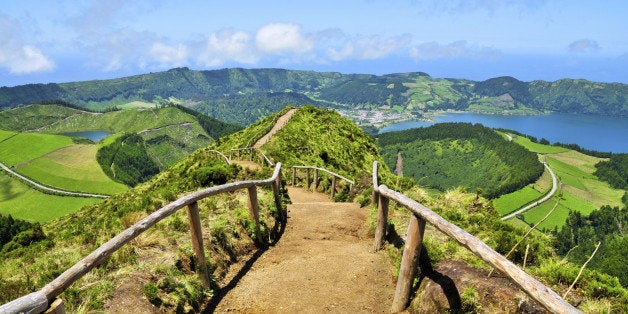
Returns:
point(43, 41)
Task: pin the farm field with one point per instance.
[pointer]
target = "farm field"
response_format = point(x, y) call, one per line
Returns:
point(23, 202)
point(580, 190)
point(72, 168)
point(22, 147)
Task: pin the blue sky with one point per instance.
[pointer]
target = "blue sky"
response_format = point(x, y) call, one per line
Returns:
point(62, 41)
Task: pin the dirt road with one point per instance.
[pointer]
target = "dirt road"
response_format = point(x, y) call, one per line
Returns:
point(323, 263)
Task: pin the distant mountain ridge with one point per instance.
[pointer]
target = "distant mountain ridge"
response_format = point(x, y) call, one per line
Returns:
point(242, 96)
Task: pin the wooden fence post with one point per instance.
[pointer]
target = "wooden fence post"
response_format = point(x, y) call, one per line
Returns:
point(315, 179)
point(333, 186)
point(382, 221)
point(56, 307)
point(254, 212)
point(409, 262)
point(276, 185)
point(307, 180)
point(294, 175)
point(197, 243)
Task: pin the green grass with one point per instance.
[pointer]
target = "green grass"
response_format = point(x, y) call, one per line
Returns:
point(5, 135)
point(27, 146)
point(536, 147)
point(72, 168)
point(22, 202)
point(557, 219)
point(510, 202)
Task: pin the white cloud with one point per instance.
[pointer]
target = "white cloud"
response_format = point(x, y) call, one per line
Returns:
point(228, 45)
point(281, 38)
point(458, 49)
point(30, 60)
point(17, 55)
point(583, 45)
point(169, 55)
point(367, 48)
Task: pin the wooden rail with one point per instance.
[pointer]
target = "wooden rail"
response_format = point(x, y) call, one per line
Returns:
point(421, 214)
point(220, 154)
point(251, 152)
point(39, 301)
point(316, 170)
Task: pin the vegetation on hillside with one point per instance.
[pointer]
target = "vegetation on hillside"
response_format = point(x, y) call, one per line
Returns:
point(16, 233)
point(126, 160)
point(577, 239)
point(448, 155)
point(241, 96)
point(614, 171)
point(160, 260)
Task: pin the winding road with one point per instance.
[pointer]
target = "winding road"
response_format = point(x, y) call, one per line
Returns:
point(539, 201)
point(49, 189)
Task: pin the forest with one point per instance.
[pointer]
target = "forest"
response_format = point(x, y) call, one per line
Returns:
point(449, 155)
point(614, 171)
point(578, 238)
point(126, 160)
point(16, 233)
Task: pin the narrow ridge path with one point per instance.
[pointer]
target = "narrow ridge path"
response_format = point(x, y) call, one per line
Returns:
point(278, 126)
point(322, 263)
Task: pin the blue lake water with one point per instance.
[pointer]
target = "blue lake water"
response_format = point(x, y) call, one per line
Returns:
point(95, 136)
point(600, 133)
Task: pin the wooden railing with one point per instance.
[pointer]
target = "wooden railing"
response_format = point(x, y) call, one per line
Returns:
point(39, 301)
point(250, 153)
point(421, 214)
point(220, 154)
point(308, 182)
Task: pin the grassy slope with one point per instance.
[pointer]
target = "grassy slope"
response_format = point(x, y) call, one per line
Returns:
point(581, 190)
point(22, 202)
point(55, 161)
point(72, 168)
point(24, 147)
point(161, 256)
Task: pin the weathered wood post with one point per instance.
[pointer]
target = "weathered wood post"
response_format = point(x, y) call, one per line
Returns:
point(56, 307)
point(375, 194)
point(197, 243)
point(294, 175)
point(307, 180)
point(276, 186)
point(409, 261)
point(254, 212)
point(333, 186)
point(382, 221)
point(315, 179)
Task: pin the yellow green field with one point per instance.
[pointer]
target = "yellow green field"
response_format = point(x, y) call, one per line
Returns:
point(23, 202)
point(72, 168)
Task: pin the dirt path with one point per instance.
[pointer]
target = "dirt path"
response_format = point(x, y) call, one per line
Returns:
point(323, 263)
point(280, 123)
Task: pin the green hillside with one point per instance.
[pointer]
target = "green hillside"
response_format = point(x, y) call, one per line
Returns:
point(449, 155)
point(170, 132)
point(241, 96)
point(156, 268)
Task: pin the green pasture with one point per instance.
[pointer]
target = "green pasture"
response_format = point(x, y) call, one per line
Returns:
point(5, 135)
point(27, 146)
point(72, 168)
point(536, 147)
point(23, 202)
point(510, 202)
point(557, 218)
